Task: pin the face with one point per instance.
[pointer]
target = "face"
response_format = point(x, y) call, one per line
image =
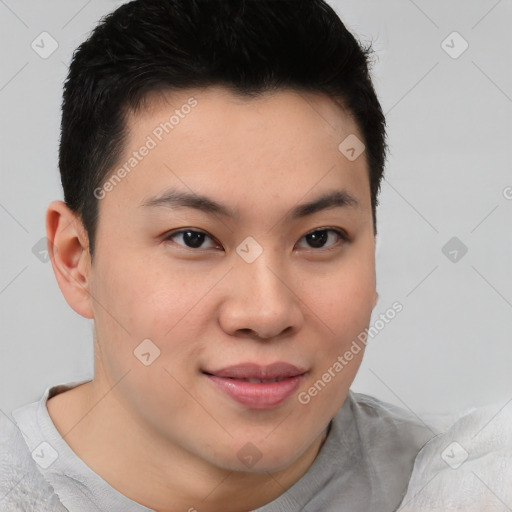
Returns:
point(205, 250)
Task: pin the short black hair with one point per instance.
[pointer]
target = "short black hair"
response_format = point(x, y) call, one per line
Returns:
point(248, 46)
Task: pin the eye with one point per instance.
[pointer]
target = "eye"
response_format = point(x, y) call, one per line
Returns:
point(195, 239)
point(192, 239)
point(319, 237)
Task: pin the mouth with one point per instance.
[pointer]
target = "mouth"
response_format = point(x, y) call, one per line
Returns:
point(252, 381)
point(255, 386)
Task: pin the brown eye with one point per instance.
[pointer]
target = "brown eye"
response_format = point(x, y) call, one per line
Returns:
point(191, 239)
point(319, 238)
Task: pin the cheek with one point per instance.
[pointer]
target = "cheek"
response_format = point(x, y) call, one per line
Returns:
point(155, 302)
point(342, 309)
point(343, 299)
point(140, 295)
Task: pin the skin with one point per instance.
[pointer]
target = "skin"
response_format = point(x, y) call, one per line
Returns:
point(207, 308)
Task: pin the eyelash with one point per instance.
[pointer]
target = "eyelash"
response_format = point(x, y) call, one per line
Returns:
point(340, 233)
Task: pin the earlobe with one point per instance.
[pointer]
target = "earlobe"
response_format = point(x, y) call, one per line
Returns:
point(68, 247)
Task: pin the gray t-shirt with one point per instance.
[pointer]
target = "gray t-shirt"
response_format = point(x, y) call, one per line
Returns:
point(364, 464)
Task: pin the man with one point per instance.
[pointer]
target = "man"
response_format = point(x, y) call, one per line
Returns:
point(221, 163)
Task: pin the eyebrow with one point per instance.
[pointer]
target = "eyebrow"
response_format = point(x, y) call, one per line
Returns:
point(180, 199)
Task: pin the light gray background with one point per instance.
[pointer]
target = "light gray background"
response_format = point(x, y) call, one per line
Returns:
point(449, 127)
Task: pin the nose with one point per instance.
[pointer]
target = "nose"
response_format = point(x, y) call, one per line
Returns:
point(261, 301)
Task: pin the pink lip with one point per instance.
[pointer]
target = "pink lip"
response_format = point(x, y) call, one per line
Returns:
point(258, 395)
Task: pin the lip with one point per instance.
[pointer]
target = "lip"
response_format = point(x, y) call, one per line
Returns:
point(256, 371)
point(257, 395)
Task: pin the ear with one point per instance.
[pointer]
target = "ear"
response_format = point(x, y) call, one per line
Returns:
point(375, 299)
point(68, 247)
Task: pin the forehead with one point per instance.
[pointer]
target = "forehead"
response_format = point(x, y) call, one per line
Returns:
point(292, 110)
point(283, 144)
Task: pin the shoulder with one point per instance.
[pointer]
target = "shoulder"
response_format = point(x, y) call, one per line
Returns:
point(22, 486)
point(469, 466)
point(384, 421)
point(382, 442)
